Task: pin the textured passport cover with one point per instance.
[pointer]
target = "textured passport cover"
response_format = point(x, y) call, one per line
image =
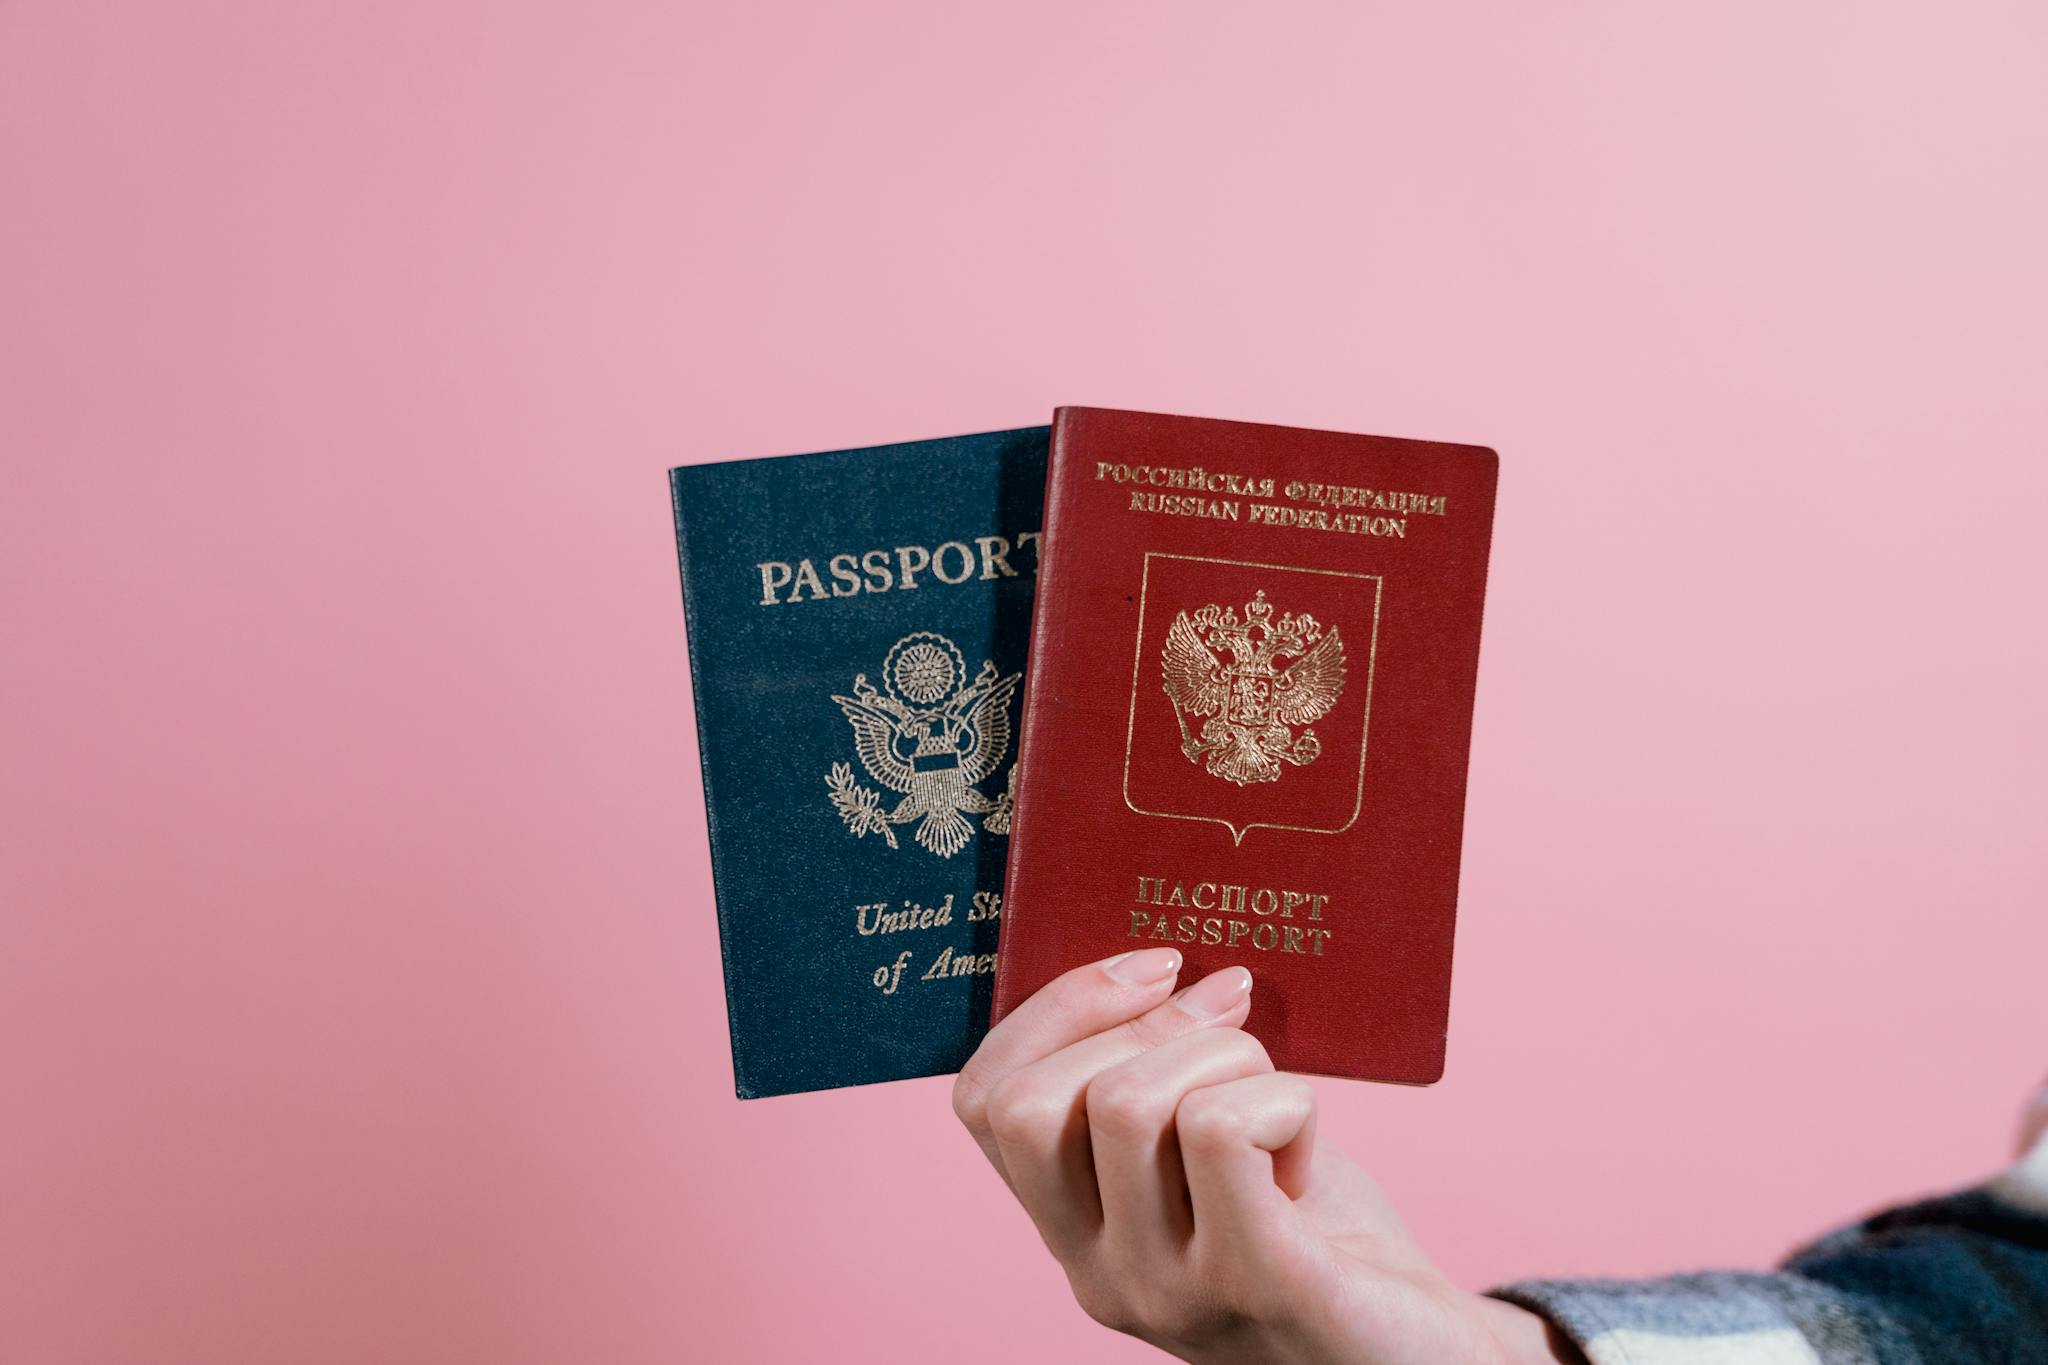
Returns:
point(857, 625)
point(1250, 702)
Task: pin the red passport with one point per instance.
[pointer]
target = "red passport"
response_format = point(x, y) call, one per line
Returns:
point(1246, 721)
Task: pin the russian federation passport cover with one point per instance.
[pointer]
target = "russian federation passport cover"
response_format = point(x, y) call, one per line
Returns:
point(1248, 712)
point(857, 625)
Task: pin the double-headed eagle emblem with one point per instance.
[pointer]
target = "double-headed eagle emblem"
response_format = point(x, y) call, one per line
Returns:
point(929, 738)
point(1280, 673)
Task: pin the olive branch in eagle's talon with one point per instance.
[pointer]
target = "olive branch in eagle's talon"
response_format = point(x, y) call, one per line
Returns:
point(860, 807)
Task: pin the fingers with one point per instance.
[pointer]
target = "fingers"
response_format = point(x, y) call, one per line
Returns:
point(1246, 1146)
point(1130, 1110)
point(1077, 1005)
point(1038, 1120)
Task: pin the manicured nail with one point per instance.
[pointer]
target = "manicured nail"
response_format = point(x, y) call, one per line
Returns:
point(1216, 994)
point(1144, 967)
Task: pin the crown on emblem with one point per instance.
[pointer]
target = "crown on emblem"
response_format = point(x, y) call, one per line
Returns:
point(1258, 629)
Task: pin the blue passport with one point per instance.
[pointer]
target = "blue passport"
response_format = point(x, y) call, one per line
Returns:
point(857, 625)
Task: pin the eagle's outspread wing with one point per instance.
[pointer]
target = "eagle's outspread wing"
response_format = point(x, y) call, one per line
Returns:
point(1194, 676)
point(985, 707)
point(1309, 687)
point(874, 732)
point(990, 719)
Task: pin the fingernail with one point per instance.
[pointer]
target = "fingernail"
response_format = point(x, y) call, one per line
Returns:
point(1144, 967)
point(1216, 994)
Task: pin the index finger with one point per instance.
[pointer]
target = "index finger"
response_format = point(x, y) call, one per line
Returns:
point(1080, 1004)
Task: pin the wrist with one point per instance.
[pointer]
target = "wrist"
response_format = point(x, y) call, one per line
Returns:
point(1526, 1338)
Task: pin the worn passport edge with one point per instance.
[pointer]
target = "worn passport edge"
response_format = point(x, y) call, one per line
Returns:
point(1049, 550)
point(718, 899)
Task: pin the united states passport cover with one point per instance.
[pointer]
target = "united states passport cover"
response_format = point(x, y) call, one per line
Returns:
point(857, 626)
point(1248, 711)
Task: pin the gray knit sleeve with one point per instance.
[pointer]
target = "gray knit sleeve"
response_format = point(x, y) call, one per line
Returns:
point(1960, 1280)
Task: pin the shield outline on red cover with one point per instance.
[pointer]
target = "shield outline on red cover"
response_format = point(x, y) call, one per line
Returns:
point(1238, 832)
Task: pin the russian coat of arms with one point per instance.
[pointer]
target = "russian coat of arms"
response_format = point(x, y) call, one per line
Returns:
point(1254, 677)
point(931, 736)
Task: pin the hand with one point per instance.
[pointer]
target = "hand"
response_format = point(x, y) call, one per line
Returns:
point(2034, 1127)
point(1174, 1175)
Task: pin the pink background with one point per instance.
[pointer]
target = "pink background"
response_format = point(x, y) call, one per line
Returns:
point(359, 991)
